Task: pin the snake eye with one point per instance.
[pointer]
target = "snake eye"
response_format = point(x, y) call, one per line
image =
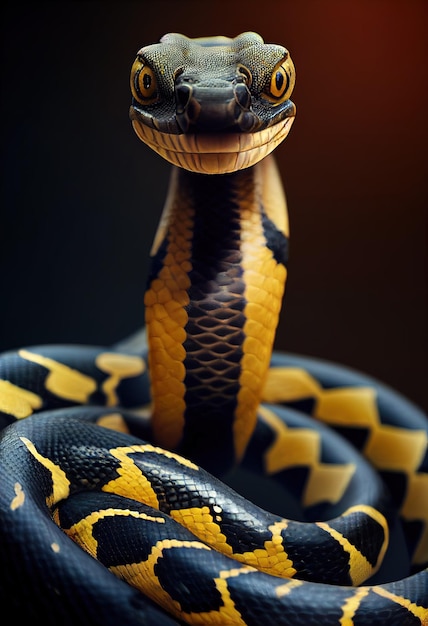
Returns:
point(281, 82)
point(144, 86)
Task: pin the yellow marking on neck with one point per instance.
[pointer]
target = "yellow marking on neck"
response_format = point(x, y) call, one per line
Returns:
point(274, 200)
point(63, 381)
point(359, 568)
point(119, 366)
point(60, 482)
point(17, 401)
point(19, 498)
point(351, 605)
point(264, 279)
point(166, 317)
point(162, 229)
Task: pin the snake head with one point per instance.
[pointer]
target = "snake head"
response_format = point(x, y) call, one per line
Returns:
point(212, 105)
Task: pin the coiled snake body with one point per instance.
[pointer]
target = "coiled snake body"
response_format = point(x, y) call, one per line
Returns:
point(106, 447)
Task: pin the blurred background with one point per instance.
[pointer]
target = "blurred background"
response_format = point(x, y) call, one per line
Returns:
point(81, 195)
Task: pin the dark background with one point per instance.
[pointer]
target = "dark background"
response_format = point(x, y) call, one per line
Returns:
point(81, 195)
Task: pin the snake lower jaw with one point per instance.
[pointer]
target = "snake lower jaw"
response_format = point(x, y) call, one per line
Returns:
point(214, 153)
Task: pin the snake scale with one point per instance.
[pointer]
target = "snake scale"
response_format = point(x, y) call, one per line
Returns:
point(134, 452)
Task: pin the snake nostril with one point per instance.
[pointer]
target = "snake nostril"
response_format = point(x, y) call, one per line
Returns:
point(183, 94)
point(242, 95)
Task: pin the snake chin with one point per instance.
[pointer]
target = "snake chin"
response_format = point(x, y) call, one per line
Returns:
point(214, 153)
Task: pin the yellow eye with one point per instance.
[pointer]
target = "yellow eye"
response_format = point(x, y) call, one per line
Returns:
point(282, 81)
point(144, 86)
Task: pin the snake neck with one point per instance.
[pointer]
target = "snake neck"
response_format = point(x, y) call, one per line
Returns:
point(212, 306)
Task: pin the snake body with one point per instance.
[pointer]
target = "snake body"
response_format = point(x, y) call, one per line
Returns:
point(121, 451)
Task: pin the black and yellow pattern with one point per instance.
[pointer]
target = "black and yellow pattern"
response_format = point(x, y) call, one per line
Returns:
point(46, 377)
point(214, 589)
point(390, 432)
point(108, 449)
point(205, 506)
point(212, 307)
point(145, 544)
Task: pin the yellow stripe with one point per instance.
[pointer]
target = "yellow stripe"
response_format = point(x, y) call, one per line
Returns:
point(119, 366)
point(387, 448)
point(326, 482)
point(63, 381)
point(166, 318)
point(264, 280)
point(113, 421)
point(420, 612)
point(286, 384)
point(286, 588)
point(201, 523)
point(18, 402)
point(82, 532)
point(228, 613)
point(131, 482)
point(351, 606)
point(302, 445)
point(359, 568)
point(273, 559)
point(274, 201)
point(60, 482)
point(143, 576)
point(394, 448)
point(348, 406)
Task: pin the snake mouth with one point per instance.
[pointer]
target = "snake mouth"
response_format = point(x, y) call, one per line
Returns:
point(214, 153)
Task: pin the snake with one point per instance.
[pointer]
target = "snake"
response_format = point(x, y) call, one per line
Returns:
point(138, 480)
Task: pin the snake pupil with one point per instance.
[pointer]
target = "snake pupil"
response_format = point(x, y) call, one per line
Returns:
point(147, 81)
point(279, 81)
